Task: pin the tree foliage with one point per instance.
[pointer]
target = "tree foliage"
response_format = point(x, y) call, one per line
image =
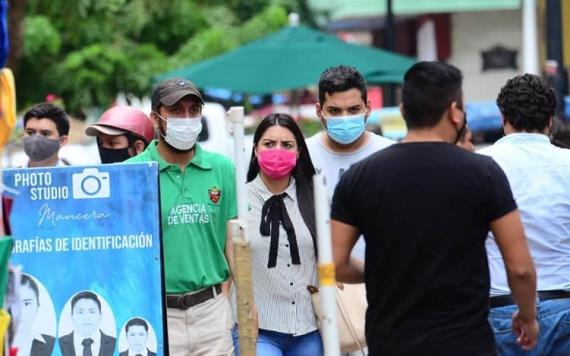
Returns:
point(88, 51)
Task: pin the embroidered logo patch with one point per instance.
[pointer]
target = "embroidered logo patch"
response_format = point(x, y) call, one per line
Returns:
point(215, 194)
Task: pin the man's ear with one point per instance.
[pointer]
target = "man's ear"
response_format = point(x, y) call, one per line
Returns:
point(452, 113)
point(550, 122)
point(154, 119)
point(139, 146)
point(548, 129)
point(368, 108)
point(63, 140)
point(320, 115)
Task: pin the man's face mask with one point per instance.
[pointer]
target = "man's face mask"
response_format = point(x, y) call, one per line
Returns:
point(181, 133)
point(113, 155)
point(39, 148)
point(346, 129)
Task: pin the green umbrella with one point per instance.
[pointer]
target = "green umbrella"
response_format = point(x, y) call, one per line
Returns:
point(291, 58)
point(384, 78)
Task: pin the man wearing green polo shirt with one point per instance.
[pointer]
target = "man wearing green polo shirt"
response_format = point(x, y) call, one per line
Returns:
point(197, 191)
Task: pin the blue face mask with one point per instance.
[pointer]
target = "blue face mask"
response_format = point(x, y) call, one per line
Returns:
point(346, 129)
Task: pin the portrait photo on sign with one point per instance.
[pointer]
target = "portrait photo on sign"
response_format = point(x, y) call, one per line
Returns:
point(87, 322)
point(137, 336)
point(34, 321)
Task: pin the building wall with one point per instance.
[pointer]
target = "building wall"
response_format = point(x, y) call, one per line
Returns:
point(474, 32)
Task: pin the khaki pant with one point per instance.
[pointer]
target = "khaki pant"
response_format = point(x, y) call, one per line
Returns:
point(202, 330)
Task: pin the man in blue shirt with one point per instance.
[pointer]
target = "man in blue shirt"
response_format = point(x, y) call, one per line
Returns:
point(539, 176)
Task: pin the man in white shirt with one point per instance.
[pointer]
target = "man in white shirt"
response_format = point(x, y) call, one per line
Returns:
point(86, 339)
point(46, 130)
point(343, 108)
point(539, 176)
point(137, 338)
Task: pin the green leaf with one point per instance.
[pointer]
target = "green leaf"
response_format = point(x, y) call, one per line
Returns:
point(40, 37)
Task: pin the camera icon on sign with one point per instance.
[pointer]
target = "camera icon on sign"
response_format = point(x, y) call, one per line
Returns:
point(91, 184)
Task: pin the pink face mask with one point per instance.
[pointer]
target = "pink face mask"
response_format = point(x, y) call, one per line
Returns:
point(276, 163)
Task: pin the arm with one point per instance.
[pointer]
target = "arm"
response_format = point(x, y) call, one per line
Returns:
point(344, 236)
point(509, 235)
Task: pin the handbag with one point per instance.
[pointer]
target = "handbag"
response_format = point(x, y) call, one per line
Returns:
point(351, 307)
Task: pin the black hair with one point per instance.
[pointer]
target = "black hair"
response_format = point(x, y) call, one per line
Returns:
point(429, 89)
point(28, 281)
point(85, 295)
point(136, 321)
point(52, 112)
point(560, 134)
point(303, 171)
point(527, 102)
point(341, 78)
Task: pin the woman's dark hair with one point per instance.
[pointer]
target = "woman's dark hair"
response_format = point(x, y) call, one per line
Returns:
point(303, 171)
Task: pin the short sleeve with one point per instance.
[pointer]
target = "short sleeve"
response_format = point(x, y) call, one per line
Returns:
point(500, 197)
point(343, 207)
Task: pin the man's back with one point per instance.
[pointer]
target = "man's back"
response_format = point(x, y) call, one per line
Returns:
point(425, 219)
point(539, 175)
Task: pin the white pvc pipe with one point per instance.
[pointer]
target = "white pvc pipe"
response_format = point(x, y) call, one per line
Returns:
point(327, 286)
point(235, 115)
point(530, 38)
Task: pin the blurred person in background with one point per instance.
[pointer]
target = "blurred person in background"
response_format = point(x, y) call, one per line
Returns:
point(343, 109)
point(122, 132)
point(46, 130)
point(539, 176)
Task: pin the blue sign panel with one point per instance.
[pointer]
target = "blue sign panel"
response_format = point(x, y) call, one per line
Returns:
point(88, 241)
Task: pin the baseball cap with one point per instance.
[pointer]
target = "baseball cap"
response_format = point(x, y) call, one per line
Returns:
point(169, 91)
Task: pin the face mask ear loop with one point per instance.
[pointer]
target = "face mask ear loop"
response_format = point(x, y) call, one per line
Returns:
point(461, 131)
point(160, 117)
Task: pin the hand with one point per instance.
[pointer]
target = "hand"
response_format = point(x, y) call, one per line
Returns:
point(526, 331)
point(226, 287)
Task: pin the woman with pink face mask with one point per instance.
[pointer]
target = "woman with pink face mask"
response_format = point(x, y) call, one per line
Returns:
point(281, 227)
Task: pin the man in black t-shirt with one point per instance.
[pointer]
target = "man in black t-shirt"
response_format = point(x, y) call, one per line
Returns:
point(424, 208)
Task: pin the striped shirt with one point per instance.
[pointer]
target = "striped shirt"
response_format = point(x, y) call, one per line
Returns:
point(281, 296)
